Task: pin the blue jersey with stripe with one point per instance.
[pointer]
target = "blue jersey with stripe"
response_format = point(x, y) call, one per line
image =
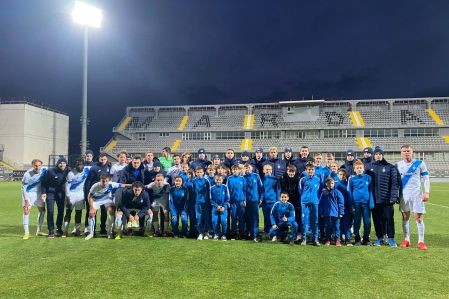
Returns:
point(31, 181)
point(100, 193)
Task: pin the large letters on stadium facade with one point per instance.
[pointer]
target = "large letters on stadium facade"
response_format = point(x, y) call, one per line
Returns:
point(271, 118)
point(407, 116)
point(334, 118)
point(204, 121)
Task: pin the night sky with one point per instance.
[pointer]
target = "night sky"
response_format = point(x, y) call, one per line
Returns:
point(170, 52)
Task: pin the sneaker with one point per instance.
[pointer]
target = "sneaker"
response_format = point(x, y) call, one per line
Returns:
point(26, 236)
point(304, 243)
point(379, 242)
point(157, 234)
point(59, 233)
point(291, 243)
point(65, 234)
point(405, 244)
point(103, 233)
point(110, 236)
point(77, 233)
point(129, 232)
point(223, 238)
point(274, 239)
point(338, 243)
point(256, 240)
point(118, 237)
point(89, 236)
point(73, 231)
point(51, 235)
point(422, 246)
point(40, 234)
point(317, 243)
point(358, 243)
point(86, 231)
point(349, 244)
point(328, 243)
point(206, 237)
point(200, 237)
point(392, 243)
point(216, 238)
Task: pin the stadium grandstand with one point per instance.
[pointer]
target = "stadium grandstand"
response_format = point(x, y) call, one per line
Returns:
point(324, 125)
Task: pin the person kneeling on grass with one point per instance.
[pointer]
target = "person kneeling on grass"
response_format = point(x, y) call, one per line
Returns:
point(135, 204)
point(178, 201)
point(283, 219)
point(332, 206)
point(101, 194)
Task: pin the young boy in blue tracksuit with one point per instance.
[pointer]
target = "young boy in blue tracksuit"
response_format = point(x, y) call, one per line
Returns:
point(361, 195)
point(348, 218)
point(201, 188)
point(332, 210)
point(191, 212)
point(309, 187)
point(254, 190)
point(178, 207)
point(237, 199)
point(271, 194)
point(282, 217)
point(219, 198)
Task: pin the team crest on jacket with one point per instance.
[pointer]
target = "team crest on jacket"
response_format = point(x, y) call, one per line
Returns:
point(383, 169)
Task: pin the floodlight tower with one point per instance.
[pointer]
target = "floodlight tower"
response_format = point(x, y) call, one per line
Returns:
point(87, 16)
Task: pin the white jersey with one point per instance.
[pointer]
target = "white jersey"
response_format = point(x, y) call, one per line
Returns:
point(116, 168)
point(75, 184)
point(100, 193)
point(31, 181)
point(411, 174)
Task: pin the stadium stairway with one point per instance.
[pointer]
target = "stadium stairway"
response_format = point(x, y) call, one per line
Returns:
point(248, 122)
point(356, 119)
point(364, 142)
point(183, 123)
point(6, 165)
point(247, 144)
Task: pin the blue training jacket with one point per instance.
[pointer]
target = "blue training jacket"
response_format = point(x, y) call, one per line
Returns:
point(360, 189)
point(219, 196)
point(342, 186)
point(237, 188)
point(280, 210)
point(201, 188)
point(309, 188)
point(254, 187)
point(332, 203)
point(271, 189)
point(178, 200)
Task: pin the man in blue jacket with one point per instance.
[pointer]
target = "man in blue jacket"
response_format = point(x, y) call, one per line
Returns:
point(230, 159)
point(349, 163)
point(282, 219)
point(201, 161)
point(302, 160)
point(386, 193)
point(257, 162)
point(133, 172)
point(277, 164)
point(53, 189)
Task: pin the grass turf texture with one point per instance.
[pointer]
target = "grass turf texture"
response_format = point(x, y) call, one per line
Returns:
point(185, 268)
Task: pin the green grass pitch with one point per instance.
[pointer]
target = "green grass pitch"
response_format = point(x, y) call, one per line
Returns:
point(184, 268)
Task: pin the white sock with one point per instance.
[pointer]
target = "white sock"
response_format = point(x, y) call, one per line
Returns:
point(66, 225)
point(406, 229)
point(26, 222)
point(147, 222)
point(166, 225)
point(110, 223)
point(118, 223)
point(92, 225)
point(40, 220)
point(420, 226)
point(156, 226)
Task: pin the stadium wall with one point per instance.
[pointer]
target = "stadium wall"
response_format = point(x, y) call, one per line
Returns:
point(29, 132)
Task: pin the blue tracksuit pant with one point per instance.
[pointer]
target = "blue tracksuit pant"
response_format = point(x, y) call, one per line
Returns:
point(252, 209)
point(220, 218)
point(310, 220)
point(175, 220)
point(191, 212)
point(332, 223)
point(345, 225)
point(266, 210)
point(238, 215)
point(362, 211)
point(283, 227)
point(202, 217)
point(60, 201)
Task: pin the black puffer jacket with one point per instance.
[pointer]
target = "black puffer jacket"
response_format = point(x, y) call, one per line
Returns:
point(291, 185)
point(386, 188)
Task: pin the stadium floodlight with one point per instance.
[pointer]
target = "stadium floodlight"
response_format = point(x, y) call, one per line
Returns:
point(88, 16)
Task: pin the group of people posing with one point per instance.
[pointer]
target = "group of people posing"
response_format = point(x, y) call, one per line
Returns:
point(302, 200)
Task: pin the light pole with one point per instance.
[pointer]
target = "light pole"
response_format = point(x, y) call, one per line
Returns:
point(87, 16)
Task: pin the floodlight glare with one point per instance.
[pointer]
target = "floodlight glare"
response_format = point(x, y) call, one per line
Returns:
point(87, 15)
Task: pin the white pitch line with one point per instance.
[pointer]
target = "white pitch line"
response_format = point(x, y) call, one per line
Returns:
point(434, 204)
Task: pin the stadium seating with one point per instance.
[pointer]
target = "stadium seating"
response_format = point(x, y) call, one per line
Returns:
point(389, 122)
